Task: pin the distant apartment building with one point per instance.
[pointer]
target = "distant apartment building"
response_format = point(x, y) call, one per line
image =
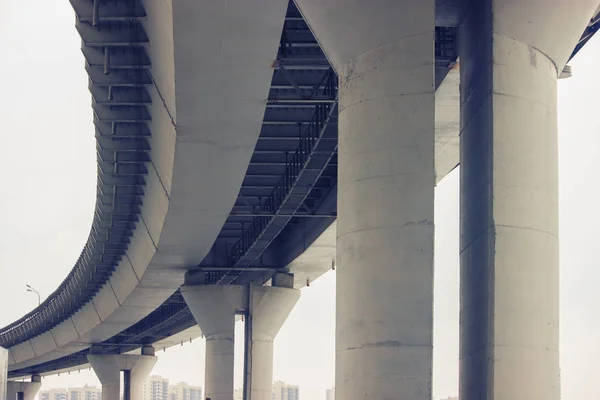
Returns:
point(156, 388)
point(85, 393)
point(330, 394)
point(183, 391)
point(54, 394)
point(283, 391)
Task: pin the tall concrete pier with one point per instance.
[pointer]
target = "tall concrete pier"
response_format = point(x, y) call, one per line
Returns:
point(511, 55)
point(215, 307)
point(383, 54)
point(136, 368)
point(3, 372)
point(270, 307)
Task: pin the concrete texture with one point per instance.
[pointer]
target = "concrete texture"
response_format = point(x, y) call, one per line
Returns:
point(186, 335)
point(214, 307)
point(3, 372)
point(447, 124)
point(182, 207)
point(384, 58)
point(318, 257)
point(270, 308)
point(108, 368)
point(511, 54)
point(23, 390)
point(204, 54)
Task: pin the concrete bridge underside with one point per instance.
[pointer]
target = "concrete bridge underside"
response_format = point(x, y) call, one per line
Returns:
point(203, 166)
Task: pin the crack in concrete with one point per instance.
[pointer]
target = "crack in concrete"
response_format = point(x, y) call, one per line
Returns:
point(384, 344)
point(424, 222)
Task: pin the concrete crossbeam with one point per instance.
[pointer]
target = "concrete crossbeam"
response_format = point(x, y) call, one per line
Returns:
point(215, 307)
point(108, 368)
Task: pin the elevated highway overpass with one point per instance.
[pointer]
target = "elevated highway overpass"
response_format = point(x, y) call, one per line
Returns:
point(217, 154)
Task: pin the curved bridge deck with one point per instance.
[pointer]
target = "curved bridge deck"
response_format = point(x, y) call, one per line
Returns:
point(287, 198)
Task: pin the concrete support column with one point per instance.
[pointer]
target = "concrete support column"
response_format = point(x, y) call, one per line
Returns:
point(219, 365)
point(383, 53)
point(270, 307)
point(23, 390)
point(214, 308)
point(3, 372)
point(108, 368)
point(511, 53)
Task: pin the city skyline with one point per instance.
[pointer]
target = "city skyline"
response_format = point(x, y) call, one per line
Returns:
point(157, 387)
point(73, 393)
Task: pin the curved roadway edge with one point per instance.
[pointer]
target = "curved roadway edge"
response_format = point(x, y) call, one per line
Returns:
point(212, 66)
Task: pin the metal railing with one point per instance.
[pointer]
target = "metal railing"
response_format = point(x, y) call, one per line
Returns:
point(113, 222)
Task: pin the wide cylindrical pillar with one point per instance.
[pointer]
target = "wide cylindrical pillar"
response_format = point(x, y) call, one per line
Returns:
point(214, 308)
point(108, 368)
point(270, 307)
point(383, 53)
point(511, 54)
point(219, 364)
point(262, 367)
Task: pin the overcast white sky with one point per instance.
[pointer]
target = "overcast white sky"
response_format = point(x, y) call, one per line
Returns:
point(47, 196)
